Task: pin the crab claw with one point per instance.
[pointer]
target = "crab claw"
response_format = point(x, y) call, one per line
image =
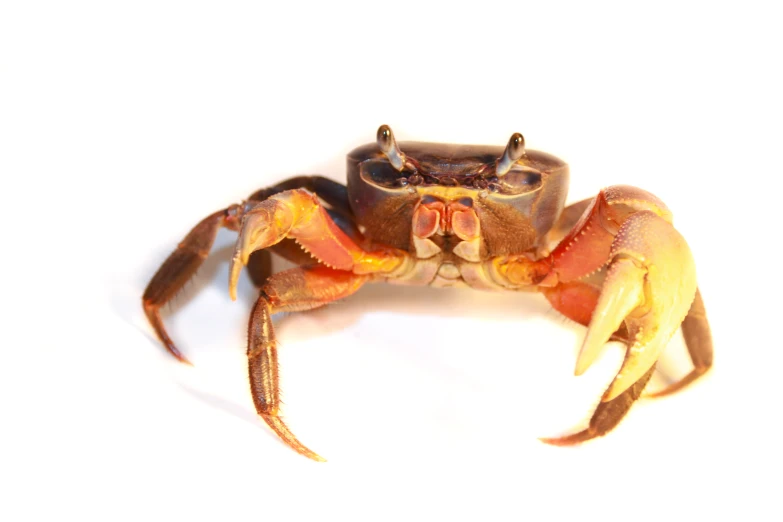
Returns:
point(264, 225)
point(650, 285)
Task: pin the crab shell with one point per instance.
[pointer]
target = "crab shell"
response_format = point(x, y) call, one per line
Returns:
point(515, 211)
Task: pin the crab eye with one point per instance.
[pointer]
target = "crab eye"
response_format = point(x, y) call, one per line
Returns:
point(385, 138)
point(388, 145)
point(518, 181)
point(514, 151)
point(516, 146)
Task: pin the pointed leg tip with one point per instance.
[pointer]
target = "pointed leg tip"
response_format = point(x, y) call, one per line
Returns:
point(304, 450)
point(568, 440)
point(553, 441)
point(677, 386)
point(281, 429)
point(177, 354)
point(665, 392)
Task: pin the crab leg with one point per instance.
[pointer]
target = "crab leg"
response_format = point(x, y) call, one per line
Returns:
point(183, 263)
point(607, 415)
point(180, 266)
point(297, 214)
point(698, 340)
point(293, 290)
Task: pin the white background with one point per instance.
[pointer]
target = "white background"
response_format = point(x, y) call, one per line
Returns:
point(123, 124)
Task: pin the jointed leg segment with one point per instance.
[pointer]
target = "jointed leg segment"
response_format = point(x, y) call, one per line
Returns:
point(290, 220)
point(180, 266)
point(698, 341)
point(607, 416)
point(190, 254)
point(293, 290)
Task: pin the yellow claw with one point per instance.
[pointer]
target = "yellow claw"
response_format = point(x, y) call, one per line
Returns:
point(650, 284)
point(626, 280)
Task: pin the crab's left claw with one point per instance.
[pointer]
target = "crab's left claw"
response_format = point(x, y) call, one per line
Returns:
point(650, 285)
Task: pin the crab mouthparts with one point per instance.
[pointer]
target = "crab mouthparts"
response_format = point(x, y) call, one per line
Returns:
point(444, 217)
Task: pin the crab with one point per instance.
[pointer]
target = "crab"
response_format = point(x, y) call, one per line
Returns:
point(485, 217)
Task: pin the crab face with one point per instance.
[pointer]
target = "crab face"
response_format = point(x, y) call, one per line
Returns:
point(516, 194)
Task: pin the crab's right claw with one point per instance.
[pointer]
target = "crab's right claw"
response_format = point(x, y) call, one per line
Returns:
point(264, 225)
point(650, 285)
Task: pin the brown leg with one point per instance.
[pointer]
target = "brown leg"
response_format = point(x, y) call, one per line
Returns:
point(607, 416)
point(183, 263)
point(180, 266)
point(698, 340)
point(259, 267)
point(293, 290)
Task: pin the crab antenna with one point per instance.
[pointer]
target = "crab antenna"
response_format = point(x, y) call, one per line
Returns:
point(388, 146)
point(514, 150)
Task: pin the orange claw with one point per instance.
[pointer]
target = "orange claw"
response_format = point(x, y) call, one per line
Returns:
point(266, 224)
point(298, 214)
point(650, 284)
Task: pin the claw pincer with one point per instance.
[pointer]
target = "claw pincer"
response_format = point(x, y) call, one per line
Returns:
point(650, 285)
